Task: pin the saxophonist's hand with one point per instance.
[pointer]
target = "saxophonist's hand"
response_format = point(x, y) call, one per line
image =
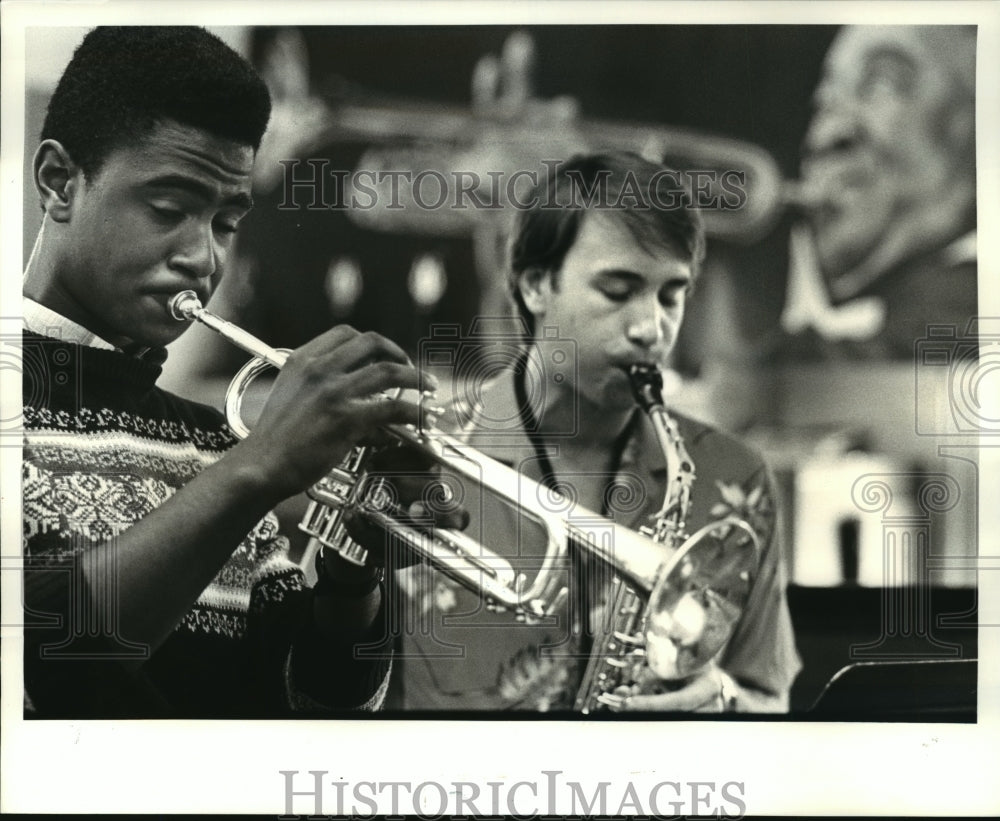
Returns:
point(710, 690)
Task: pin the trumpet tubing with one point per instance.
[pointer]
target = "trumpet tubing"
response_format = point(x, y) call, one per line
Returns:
point(766, 192)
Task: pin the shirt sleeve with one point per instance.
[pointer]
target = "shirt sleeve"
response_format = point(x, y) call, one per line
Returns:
point(761, 652)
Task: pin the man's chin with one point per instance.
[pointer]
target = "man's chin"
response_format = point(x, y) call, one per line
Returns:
point(159, 328)
point(155, 336)
point(612, 395)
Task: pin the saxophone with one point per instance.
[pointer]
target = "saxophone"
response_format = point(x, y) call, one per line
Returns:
point(654, 637)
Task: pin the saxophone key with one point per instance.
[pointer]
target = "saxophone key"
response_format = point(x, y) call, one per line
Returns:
point(610, 701)
point(558, 602)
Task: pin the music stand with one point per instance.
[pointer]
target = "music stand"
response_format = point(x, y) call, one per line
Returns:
point(927, 690)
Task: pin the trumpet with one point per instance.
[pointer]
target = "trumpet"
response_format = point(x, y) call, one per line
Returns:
point(662, 574)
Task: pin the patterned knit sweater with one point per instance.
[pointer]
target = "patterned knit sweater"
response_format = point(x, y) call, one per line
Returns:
point(103, 446)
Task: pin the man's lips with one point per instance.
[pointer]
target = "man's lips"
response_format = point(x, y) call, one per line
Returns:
point(625, 366)
point(836, 179)
point(852, 161)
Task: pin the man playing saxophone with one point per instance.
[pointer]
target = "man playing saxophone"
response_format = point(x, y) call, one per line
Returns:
point(603, 259)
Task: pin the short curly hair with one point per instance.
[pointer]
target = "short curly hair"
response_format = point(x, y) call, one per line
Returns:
point(123, 80)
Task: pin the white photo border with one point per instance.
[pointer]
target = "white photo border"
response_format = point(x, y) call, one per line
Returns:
point(229, 767)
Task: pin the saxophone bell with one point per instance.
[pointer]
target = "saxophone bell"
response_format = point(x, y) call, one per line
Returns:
point(698, 598)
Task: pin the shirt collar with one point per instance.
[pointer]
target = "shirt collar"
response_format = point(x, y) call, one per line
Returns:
point(42, 320)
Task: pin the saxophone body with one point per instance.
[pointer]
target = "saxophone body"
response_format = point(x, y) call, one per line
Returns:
point(654, 635)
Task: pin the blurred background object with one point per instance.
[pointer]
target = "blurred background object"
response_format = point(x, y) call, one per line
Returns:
point(889, 184)
point(830, 324)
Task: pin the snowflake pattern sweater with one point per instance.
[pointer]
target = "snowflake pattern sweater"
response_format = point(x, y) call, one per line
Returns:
point(103, 446)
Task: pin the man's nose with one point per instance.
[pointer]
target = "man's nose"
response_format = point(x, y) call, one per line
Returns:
point(647, 325)
point(828, 93)
point(835, 112)
point(197, 254)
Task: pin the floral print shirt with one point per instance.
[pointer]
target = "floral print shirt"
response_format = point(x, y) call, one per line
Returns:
point(456, 653)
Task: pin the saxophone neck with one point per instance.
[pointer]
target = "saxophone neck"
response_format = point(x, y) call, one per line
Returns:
point(668, 523)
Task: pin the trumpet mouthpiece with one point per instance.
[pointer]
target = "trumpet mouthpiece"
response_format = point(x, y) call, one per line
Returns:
point(184, 305)
point(803, 195)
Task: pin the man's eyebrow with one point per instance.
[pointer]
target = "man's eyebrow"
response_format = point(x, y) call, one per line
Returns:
point(626, 274)
point(893, 54)
point(199, 189)
point(621, 273)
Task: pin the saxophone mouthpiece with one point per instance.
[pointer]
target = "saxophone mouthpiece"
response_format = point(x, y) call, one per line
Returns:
point(184, 306)
point(647, 385)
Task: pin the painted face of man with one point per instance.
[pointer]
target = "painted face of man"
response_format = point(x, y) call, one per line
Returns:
point(618, 301)
point(156, 218)
point(889, 137)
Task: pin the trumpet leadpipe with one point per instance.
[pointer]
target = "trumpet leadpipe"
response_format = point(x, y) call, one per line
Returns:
point(187, 306)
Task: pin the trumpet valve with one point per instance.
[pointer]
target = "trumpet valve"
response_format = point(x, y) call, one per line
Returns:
point(429, 414)
point(354, 553)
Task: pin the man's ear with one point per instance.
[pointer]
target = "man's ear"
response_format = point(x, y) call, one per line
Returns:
point(535, 286)
point(57, 179)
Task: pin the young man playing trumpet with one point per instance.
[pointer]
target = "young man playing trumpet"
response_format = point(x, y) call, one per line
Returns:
point(156, 582)
point(602, 263)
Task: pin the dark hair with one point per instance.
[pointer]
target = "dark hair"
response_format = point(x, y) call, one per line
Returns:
point(122, 80)
point(649, 198)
